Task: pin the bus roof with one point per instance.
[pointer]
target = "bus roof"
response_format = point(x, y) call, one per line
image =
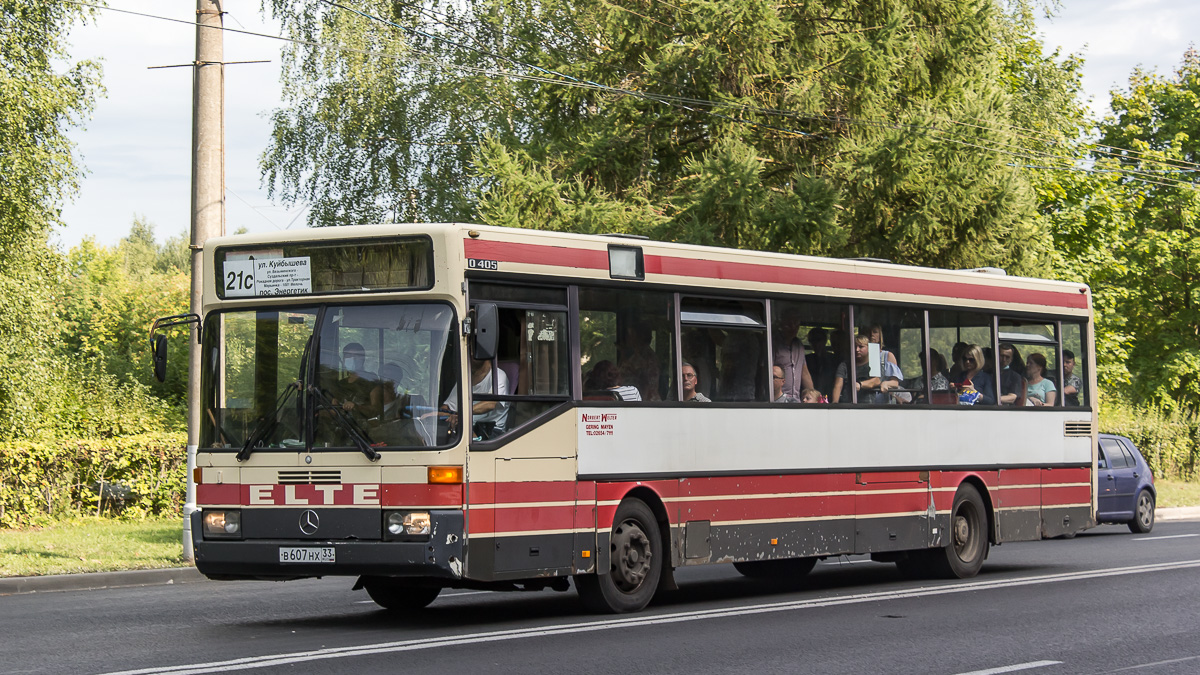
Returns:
point(514, 252)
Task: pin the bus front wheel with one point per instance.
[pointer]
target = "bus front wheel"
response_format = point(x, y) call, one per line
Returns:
point(398, 596)
point(968, 545)
point(635, 563)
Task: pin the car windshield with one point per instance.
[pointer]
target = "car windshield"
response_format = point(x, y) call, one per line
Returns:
point(336, 376)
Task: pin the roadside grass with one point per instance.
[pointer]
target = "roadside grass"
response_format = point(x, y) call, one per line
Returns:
point(1176, 493)
point(91, 545)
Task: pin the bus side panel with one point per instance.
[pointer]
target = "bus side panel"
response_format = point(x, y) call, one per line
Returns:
point(1066, 501)
point(893, 511)
point(1019, 505)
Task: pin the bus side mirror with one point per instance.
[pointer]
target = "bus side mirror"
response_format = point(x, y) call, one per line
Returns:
point(487, 331)
point(158, 349)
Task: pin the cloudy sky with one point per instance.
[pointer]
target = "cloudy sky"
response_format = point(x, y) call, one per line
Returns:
point(136, 147)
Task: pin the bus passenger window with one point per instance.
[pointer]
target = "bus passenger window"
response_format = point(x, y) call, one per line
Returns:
point(725, 341)
point(794, 323)
point(626, 341)
point(955, 337)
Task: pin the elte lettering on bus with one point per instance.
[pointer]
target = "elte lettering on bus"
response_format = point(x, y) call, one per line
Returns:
point(360, 494)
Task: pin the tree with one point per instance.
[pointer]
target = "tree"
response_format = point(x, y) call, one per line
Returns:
point(863, 128)
point(38, 104)
point(1153, 137)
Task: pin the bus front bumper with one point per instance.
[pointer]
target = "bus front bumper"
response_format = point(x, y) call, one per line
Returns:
point(440, 556)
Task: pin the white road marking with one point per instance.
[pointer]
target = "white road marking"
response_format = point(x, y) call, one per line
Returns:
point(1155, 664)
point(1013, 668)
point(250, 662)
point(1167, 536)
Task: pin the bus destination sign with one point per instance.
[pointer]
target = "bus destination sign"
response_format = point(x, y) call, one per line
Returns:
point(267, 277)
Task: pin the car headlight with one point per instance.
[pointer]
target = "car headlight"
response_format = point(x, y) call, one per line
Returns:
point(222, 523)
point(408, 523)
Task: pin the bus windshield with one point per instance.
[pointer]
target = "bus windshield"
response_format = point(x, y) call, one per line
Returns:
point(328, 376)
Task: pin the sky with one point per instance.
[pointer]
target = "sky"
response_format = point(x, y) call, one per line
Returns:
point(136, 147)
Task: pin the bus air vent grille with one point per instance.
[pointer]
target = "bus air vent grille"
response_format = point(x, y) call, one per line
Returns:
point(303, 477)
point(1077, 429)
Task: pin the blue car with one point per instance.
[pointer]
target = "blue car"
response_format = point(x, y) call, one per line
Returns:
point(1125, 483)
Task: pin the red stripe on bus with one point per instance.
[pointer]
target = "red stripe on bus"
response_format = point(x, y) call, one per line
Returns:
point(417, 494)
point(1057, 496)
point(214, 495)
point(765, 509)
point(535, 491)
point(562, 256)
point(535, 518)
point(1027, 497)
point(735, 485)
point(1067, 475)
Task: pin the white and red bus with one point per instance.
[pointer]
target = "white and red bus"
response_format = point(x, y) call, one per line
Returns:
point(632, 409)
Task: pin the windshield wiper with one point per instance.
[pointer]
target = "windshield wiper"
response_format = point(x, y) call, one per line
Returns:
point(266, 425)
point(357, 434)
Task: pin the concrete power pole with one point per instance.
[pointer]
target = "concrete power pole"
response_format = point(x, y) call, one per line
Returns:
point(208, 205)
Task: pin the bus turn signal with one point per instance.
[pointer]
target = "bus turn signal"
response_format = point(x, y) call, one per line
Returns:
point(446, 475)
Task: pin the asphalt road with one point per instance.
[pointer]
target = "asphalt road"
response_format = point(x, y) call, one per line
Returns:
point(1105, 602)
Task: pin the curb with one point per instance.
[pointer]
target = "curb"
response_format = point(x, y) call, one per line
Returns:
point(1178, 513)
point(97, 580)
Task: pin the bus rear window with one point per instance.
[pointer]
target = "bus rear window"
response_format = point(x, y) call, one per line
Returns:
point(316, 268)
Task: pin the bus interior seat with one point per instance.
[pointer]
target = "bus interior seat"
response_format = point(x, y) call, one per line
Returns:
point(512, 371)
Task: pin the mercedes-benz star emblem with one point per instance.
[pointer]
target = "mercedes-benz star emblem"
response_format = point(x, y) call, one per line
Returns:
point(309, 522)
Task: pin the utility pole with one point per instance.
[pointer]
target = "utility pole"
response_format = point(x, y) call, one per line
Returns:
point(208, 206)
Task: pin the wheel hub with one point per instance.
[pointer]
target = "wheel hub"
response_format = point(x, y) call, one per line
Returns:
point(631, 556)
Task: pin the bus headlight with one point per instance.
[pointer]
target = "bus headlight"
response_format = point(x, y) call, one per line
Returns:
point(224, 523)
point(408, 523)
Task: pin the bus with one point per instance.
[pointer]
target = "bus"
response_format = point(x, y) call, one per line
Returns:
point(460, 406)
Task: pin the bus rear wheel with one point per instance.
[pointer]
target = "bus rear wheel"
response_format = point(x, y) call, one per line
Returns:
point(635, 563)
point(787, 570)
point(397, 596)
point(963, 556)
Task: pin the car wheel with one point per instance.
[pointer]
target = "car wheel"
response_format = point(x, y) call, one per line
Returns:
point(1143, 513)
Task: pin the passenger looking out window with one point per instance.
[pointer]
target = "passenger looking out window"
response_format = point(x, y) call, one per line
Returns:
point(789, 353)
point(605, 376)
point(1072, 383)
point(821, 359)
point(777, 395)
point(691, 385)
point(870, 388)
point(1040, 391)
point(811, 396)
point(972, 376)
point(1012, 383)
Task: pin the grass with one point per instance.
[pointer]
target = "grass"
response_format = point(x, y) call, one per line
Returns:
point(1177, 493)
point(91, 545)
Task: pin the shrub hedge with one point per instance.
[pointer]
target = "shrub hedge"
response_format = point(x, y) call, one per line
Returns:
point(127, 476)
point(1169, 439)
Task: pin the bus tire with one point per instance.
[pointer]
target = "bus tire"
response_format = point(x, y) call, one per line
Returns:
point(1143, 515)
point(964, 555)
point(400, 597)
point(786, 569)
point(635, 563)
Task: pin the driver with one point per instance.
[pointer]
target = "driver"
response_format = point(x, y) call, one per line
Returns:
point(359, 390)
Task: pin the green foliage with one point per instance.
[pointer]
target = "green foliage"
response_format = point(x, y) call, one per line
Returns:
point(37, 105)
point(890, 115)
point(110, 296)
point(45, 481)
point(1169, 438)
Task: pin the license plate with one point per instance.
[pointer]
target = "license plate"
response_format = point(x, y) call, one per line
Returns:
point(307, 554)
